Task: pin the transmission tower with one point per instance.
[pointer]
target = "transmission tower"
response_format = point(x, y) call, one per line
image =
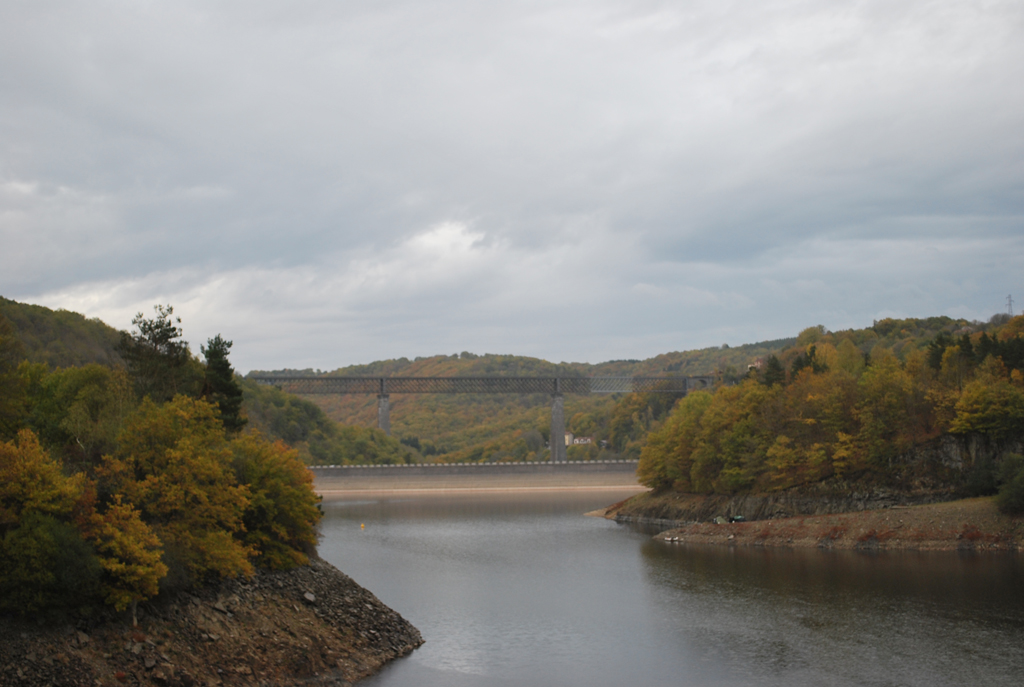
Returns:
point(1009, 304)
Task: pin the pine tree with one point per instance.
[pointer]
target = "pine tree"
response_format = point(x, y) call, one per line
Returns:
point(773, 372)
point(220, 386)
point(158, 360)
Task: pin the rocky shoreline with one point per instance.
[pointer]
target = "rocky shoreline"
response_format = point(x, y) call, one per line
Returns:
point(967, 524)
point(310, 625)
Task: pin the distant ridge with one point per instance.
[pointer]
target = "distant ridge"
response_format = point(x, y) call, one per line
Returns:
point(681, 363)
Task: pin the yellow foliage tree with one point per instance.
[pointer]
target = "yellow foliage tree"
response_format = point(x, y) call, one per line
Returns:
point(955, 368)
point(826, 354)
point(32, 482)
point(174, 464)
point(1012, 329)
point(849, 358)
point(883, 408)
point(667, 458)
point(129, 553)
point(44, 561)
point(283, 510)
point(730, 452)
point(994, 407)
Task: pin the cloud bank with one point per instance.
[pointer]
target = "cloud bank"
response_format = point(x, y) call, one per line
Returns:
point(329, 183)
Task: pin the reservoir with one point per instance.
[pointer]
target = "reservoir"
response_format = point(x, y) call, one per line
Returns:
point(519, 588)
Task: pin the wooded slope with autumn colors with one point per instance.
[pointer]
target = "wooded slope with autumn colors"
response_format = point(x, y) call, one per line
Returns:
point(859, 407)
point(120, 481)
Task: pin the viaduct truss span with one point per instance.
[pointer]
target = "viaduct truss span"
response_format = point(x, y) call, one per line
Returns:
point(383, 387)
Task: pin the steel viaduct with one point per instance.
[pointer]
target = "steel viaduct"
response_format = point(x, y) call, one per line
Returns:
point(557, 387)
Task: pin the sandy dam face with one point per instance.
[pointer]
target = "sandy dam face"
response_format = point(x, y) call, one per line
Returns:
point(476, 476)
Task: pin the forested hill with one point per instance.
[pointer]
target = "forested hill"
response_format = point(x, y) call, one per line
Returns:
point(507, 427)
point(60, 338)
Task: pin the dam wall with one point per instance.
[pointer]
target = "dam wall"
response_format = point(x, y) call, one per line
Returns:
point(598, 474)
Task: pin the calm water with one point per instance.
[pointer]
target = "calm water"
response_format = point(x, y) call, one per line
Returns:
point(517, 589)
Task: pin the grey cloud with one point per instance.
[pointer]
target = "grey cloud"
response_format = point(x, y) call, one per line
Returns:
point(687, 173)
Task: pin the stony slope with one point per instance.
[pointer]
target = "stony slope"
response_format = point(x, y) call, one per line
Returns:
point(311, 625)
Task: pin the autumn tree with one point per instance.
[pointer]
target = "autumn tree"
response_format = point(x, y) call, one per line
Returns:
point(808, 359)
point(32, 482)
point(884, 392)
point(667, 458)
point(283, 510)
point(956, 367)
point(849, 358)
point(129, 554)
point(174, 465)
point(44, 561)
point(729, 455)
point(993, 407)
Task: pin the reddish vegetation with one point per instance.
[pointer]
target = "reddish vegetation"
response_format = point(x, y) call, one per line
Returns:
point(966, 524)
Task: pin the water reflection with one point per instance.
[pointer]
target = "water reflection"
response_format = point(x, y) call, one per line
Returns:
point(520, 589)
point(951, 583)
point(807, 616)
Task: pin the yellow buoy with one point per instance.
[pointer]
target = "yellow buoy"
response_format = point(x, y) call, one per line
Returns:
point(362, 526)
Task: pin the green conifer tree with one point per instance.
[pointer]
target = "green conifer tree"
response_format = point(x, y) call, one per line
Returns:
point(220, 386)
point(773, 372)
point(157, 358)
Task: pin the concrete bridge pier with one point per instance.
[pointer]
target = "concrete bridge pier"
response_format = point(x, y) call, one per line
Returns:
point(384, 413)
point(557, 438)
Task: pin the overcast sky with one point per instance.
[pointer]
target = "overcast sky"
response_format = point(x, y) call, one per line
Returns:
point(329, 183)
